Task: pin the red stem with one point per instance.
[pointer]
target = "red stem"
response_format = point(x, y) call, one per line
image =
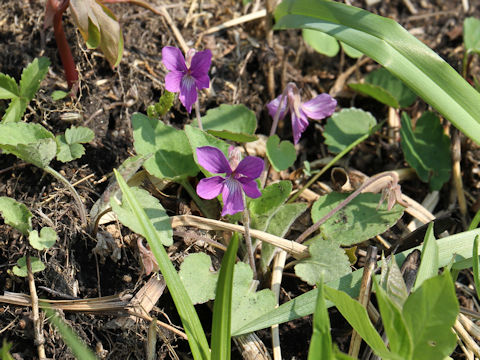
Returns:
point(66, 56)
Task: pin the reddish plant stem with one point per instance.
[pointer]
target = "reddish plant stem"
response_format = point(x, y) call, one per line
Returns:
point(64, 51)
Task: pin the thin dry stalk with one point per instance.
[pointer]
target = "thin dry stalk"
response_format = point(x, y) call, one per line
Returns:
point(472, 328)
point(277, 273)
point(466, 338)
point(37, 322)
point(364, 297)
point(237, 21)
point(296, 250)
point(248, 239)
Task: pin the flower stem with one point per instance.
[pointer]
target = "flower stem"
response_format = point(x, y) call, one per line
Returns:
point(328, 166)
point(81, 208)
point(200, 203)
point(197, 113)
point(248, 239)
point(344, 203)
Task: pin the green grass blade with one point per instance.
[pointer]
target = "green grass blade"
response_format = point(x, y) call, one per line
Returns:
point(429, 262)
point(458, 247)
point(191, 323)
point(476, 274)
point(79, 349)
point(321, 343)
point(388, 43)
point(222, 307)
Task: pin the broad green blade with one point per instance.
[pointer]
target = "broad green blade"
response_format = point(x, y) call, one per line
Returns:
point(458, 247)
point(193, 328)
point(388, 43)
point(222, 307)
point(321, 342)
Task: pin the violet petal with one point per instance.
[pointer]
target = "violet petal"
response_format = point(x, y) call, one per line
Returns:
point(213, 160)
point(250, 187)
point(232, 197)
point(210, 188)
point(201, 62)
point(173, 81)
point(319, 107)
point(202, 81)
point(299, 124)
point(173, 59)
point(272, 106)
point(251, 167)
point(188, 92)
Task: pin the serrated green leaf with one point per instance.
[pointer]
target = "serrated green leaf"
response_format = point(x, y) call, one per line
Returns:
point(22, 133)
point(401, 343)
point(282, 155)
point(430, 313)
point(376, 92)
point(58, 95)
point(154, 210)
point(21, 268)
point(345, 127)
point(358, 221)
point(15, 110)
point(66, 152)
point(172, 155)
point(39, 153)
point(79, 135)
point(234, 118)
point(45, 240)
point(393, 85)
point(471, 35)
point(69, 144)
point(247, 304)
point(327, 260)
point(8, 87)
point(16, 214)
point(427, 149)
point(321, 342)
point(32, 76)
point(321, 42)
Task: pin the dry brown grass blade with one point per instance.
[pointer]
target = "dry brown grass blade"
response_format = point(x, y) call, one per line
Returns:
point(298, 251)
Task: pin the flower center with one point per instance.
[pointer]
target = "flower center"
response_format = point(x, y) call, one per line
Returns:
point(188, 80)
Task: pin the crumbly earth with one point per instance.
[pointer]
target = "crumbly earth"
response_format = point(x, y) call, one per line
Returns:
point(105, 102)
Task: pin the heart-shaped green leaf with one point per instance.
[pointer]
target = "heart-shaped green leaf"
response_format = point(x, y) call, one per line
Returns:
point(16, 214)
point(45, 240)
point(282, 155)
point(346, 126)
point(21, 268)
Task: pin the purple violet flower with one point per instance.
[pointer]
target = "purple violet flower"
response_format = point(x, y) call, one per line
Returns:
point(318, 108)
point(242, 177)
point(188, 76)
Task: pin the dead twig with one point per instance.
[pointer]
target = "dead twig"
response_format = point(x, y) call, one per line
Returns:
point(37, 322)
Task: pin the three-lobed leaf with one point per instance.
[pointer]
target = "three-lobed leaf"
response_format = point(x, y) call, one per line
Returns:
point(70, 144)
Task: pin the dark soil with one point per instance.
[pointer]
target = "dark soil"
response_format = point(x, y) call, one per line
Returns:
point(105, 102)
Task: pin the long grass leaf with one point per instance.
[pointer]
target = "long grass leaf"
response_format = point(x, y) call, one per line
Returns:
point(222, 307)
point(388, 43)
point(191, 323)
